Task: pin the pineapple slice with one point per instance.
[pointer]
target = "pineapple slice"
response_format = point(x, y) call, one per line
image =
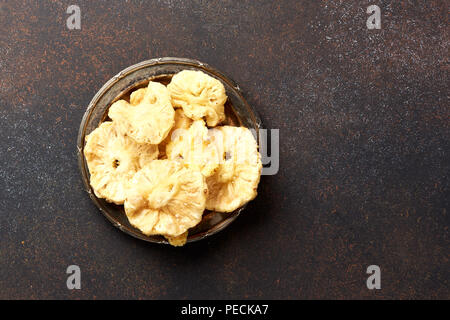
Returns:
point(193, 148)
point(148, 117)
point(165, 198)
point(236, 180)
point(113, 159)
point(178, 241)
point(181, 123)
point(200, 96)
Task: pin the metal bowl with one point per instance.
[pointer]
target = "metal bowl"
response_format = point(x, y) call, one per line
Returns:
point(238, 113)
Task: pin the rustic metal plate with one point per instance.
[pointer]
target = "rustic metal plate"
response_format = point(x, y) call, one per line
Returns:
point(238, 112)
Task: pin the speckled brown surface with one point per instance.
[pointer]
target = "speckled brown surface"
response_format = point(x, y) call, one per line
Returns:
point(364, 126)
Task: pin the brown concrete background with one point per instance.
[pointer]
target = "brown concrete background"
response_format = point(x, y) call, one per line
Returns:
point(364, 124)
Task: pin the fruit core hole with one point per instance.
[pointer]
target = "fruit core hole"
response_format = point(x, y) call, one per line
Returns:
point(116, 163)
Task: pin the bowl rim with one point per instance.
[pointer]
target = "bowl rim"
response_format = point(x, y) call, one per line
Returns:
point(103, 90)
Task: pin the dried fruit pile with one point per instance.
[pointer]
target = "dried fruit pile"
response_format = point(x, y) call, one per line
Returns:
point(166, 165)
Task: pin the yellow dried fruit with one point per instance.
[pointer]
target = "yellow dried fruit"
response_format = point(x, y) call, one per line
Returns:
point(193, 148)
point(181, 122)
point(148, 117)
point(113, 159)
point(166, 198)
point(137, 96)
point(236, 180)
point(178, 241)
point(200, 96)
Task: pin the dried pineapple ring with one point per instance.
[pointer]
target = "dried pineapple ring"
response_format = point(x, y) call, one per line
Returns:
point(181, 122)
point(149, 117)
point(178, 241)
point(193, 148)
point(166, 198)
point(113, 159)
point(200, 95)
point(236, 180)
point(137, 96)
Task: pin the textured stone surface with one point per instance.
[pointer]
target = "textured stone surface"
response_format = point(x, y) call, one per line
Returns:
point(364, 125)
